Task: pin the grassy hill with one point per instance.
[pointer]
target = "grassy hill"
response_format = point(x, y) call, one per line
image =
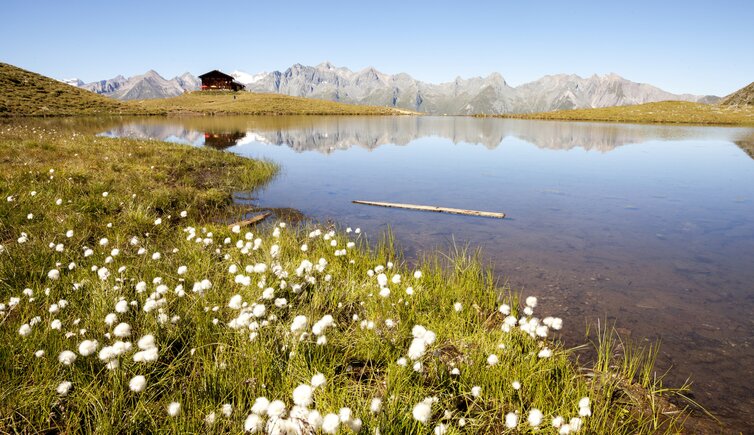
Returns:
point(24, 93)
point(742, 97)
point(664, 112)
point(247, 103)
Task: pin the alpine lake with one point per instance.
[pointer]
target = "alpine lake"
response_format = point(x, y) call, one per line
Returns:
point(645, 227)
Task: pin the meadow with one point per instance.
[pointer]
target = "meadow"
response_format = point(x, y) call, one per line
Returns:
point(248, 103)
point(664, 112)
point(130, 303)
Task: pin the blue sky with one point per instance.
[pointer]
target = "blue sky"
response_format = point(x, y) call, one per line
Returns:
point(701, 47)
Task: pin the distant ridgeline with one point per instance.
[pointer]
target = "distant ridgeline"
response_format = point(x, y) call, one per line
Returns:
point(478, 95)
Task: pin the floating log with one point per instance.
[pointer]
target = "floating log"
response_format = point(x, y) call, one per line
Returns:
point(251, 221)
point(490, 214)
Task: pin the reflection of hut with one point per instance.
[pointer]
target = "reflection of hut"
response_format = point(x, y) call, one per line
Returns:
point(216, 80)
point(222, 140)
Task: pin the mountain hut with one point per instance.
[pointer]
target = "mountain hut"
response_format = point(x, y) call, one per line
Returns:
point(216, 80)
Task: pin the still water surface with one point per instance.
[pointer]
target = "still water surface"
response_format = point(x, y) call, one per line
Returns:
point(651, 227)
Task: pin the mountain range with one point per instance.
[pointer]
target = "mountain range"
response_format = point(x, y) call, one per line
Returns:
point(146, 86)
point(477, 95)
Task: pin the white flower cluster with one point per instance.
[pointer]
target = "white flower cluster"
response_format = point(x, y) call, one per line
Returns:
point(275, 418)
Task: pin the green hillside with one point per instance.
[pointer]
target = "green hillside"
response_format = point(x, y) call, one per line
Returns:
point(24, 93)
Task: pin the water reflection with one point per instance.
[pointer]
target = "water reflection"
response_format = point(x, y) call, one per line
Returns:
point(328, 134)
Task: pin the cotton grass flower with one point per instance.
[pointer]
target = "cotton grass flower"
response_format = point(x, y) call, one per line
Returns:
point(476, 391)
point(121, 306)
point(53, 274)
point(253, 424)
point(210, 418)
point(531, 301)
point(584, 407)
point(137, 383)
point(226, 409)
point(174, 409)
point(422, 338)
point(103, 273)
point(557, 421)
point(575, 424)
point(492, 360)
point(511, 420)
point(330, 423)
point(88, 347)
point(318, 380)
point(236, 302)
point(67, 357)
point(535, 417)
point(24, 330)
point(260, 406)
point(110, 319)
point(302, 395)
point(299, 324)
point(122, 330)
point(276, 409)
point(375, 405)
point(422, 411)
point(63, 388)
point(56, 325)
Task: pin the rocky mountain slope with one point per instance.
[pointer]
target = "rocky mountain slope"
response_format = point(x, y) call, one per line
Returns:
point(742, 97)
point(146, 86)
point(490, 95)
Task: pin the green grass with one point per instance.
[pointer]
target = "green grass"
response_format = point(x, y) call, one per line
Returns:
point(247, 103)
point(665, 112)
point(24, 93)
point(203, 362)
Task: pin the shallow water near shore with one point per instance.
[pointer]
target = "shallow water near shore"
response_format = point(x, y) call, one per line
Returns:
point(646, 226)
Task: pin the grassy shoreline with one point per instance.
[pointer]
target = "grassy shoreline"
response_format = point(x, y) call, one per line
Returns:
point(664, 112)
point(235, 315)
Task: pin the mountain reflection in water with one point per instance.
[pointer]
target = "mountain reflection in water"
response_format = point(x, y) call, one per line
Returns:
point(327, 134)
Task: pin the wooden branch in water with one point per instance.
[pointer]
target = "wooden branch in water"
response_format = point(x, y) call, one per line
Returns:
point(251, 221)
point(490, 214)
